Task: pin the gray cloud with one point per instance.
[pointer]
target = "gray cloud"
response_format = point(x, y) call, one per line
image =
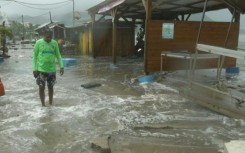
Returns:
point(30, 7)
point(23, 7)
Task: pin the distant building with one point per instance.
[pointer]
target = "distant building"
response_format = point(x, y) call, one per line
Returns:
point(59, 31)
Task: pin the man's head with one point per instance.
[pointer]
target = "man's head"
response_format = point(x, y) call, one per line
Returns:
point(48, 35)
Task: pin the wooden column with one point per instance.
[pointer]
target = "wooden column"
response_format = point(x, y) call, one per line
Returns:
point(87, 40)
point(114, 35)
point(92, 34)
point(133, 24)
point(148, 10)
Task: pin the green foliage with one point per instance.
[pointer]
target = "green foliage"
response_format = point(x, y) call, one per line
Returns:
point(17, 28)
point(5, 32)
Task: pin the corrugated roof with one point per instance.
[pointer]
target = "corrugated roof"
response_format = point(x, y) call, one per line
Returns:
point(42, 26)
point(164, 9)
point(49, 24)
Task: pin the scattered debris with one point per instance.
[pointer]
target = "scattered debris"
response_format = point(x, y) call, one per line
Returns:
point(90, 85)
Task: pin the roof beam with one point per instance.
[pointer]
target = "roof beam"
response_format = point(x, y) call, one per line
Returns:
point(190, 5)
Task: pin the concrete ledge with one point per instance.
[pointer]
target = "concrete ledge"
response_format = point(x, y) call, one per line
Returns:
point(120, 143)
point(235, 146)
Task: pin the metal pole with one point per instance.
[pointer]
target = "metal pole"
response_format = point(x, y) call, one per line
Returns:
point(50, 17)
point(229, 29)
point(226, 40)
point(23, 36)
point(198, 35)
point(73, 21)
point(200, 27)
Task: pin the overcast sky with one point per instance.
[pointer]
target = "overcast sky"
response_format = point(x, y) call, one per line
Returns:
point(225, 15)
point(39, 7)
point(56, 7)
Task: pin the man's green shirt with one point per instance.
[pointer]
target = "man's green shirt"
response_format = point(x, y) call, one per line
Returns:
point(44, 55)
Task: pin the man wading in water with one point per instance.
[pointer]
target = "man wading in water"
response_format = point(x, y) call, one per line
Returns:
point(43, 65)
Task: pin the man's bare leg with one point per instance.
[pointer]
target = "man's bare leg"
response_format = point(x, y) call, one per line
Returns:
point(50, 94)
point(42, 95)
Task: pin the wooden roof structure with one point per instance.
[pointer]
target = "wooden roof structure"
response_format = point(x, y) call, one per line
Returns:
point(163, 9)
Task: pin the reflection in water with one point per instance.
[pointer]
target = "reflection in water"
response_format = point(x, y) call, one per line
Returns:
point(80, 115)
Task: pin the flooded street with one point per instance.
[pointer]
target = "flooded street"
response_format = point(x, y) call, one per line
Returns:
point(119, 105)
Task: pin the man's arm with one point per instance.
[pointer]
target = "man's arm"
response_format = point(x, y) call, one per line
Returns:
point(59, 58)
point(34, 60)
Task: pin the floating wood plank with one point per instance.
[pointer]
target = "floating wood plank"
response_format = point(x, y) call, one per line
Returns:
point(221, 51)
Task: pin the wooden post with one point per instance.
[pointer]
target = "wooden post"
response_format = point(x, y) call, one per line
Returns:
point(148, 9)
point(133, 26)
point(87, 40)
point(92, 35)
point(237, 16)
point(114, 35)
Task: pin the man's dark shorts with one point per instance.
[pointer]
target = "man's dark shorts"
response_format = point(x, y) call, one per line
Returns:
point(42, 78)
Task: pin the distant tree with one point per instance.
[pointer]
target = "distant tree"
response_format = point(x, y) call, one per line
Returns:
point(19, 31)
point(5, 32)
point(30, 31)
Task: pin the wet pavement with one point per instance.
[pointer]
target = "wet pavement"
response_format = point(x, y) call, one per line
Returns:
point(119, 106)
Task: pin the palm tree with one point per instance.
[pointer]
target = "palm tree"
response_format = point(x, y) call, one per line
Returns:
point(4, 32)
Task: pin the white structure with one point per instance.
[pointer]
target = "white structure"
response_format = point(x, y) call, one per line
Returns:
point(235, 146)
